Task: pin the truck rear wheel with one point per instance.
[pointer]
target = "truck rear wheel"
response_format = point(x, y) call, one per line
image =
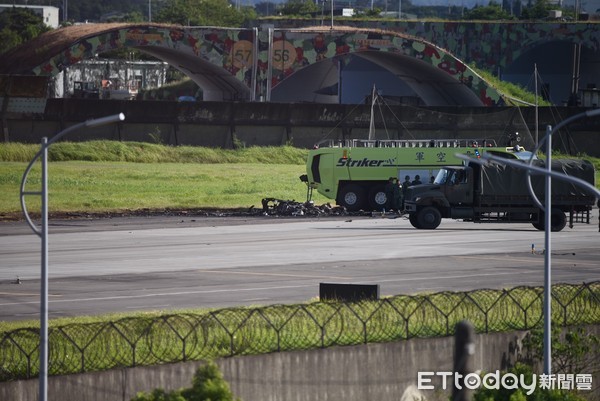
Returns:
point(558, 221)
point(377, 197)
point(352, 197)
point(429, 218)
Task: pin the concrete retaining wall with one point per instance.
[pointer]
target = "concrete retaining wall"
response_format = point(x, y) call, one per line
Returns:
point(382, 372)
point(223, 124)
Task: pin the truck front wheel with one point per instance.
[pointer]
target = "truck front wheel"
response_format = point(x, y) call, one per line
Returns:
point(429, 218)
point(352, 197)
point(413, 220)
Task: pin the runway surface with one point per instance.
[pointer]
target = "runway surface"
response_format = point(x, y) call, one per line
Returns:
point(172, 263)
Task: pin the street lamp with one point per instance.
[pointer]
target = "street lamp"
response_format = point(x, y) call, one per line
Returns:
point(547, 352)
point(331, 14)
point(43, 234)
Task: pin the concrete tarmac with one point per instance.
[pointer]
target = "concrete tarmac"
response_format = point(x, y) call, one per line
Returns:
point(98, 266)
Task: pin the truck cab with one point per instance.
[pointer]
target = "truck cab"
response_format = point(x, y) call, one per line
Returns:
point(450, 195)
point(456, 183)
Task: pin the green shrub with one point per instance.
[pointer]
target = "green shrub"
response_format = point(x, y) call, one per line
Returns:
point(518, 394)
point(574, 351)
point(207, 385)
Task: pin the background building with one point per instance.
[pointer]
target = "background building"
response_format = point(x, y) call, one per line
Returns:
point(49, 14)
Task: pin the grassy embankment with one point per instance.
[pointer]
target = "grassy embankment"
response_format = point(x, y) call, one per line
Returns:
point(101, 176)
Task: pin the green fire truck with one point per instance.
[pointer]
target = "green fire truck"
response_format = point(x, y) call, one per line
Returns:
point(354, 172)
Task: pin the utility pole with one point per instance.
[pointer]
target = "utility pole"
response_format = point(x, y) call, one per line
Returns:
point(546, 208)
point(464, 349)
point(42, 232)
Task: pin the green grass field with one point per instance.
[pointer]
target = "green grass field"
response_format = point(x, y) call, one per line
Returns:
point(110, 176)
point(115, 186)
point(133, 176)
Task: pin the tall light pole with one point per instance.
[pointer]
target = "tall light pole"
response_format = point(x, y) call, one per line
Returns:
point(43, 234)
point(548, 173)
point(149, 10)
point(547, 352)
point(331, 14)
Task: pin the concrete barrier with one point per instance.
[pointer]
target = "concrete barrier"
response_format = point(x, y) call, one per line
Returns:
point(382, 372)
point(225, 124)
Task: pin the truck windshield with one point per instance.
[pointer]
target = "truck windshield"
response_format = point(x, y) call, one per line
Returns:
point(441, 177)
point(525, 155)
point(518, 153)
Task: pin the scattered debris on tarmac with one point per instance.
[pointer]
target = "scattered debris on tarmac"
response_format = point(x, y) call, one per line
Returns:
point(271, 207)
point(280, 207)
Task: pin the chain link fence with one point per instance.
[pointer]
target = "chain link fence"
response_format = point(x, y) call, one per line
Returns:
point(143, 341)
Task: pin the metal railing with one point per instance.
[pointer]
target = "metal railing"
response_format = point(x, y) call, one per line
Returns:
point(142, 341)
point(407, 143)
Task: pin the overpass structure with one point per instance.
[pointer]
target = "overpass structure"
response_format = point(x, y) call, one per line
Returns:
point(420, 63)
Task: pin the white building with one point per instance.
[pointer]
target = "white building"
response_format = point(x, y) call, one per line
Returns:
point(122, 74)
point(49, 14)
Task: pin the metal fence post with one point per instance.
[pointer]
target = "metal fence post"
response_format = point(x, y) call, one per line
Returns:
point(464, 348)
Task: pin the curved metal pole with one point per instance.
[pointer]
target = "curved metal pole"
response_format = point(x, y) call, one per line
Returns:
point(547, 352)
point(43, 234)
point(45, 145)
point(547, 230)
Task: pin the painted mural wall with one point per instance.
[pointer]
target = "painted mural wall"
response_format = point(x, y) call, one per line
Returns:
point(281, 53)
point(509, 50)
point(488, 45)
point(263, 62)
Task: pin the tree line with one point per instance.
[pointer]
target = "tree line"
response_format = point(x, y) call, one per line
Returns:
point(19, 25)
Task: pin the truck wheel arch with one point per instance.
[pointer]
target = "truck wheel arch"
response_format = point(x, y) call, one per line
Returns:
point(436, 201)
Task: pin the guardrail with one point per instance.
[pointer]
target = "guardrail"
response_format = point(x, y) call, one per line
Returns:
point(143, 341)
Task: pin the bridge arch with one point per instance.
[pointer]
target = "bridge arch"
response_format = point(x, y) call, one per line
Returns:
point(426, 71)
point(248, 64)
point(206, 55)
point(216, 82)
point(398, 78)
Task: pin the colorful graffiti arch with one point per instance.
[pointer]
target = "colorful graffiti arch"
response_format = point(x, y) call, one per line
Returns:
point(251, 64)
point(246, 64)
point(293, 50)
